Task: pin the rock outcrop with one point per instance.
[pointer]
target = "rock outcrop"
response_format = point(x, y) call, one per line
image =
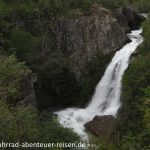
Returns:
point(83, 36)
point(128, 18)
point(101, 126)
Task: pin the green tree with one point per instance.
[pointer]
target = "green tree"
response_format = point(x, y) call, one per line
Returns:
point(25, 46)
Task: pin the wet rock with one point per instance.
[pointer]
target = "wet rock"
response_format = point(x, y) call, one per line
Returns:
point(101, 126)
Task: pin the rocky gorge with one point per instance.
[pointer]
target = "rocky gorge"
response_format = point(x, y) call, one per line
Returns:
point(52, 57)
point(112, 38)
point(83, 39)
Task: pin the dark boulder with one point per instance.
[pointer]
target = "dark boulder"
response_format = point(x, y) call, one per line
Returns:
point(101, 126)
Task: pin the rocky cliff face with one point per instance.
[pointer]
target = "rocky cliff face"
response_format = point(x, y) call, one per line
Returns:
point(82, 37)
point(128, 18)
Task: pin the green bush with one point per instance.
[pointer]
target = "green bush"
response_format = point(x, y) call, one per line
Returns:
point(21, 124)
point(11, 73)
point(23, 44)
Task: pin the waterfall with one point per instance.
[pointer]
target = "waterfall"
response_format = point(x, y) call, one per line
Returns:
point(106, 99)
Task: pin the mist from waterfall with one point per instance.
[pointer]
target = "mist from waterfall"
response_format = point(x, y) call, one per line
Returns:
point(106, 99)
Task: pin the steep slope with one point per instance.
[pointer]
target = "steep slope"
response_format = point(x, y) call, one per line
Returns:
point(85, 35)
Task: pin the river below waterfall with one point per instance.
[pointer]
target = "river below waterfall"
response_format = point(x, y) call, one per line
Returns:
point(106, 99)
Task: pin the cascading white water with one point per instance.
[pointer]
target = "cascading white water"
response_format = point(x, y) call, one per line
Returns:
point(106, 99)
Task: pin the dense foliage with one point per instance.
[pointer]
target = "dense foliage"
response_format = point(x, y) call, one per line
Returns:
point(134, 122)
point(11, 73)
point(19, 123)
